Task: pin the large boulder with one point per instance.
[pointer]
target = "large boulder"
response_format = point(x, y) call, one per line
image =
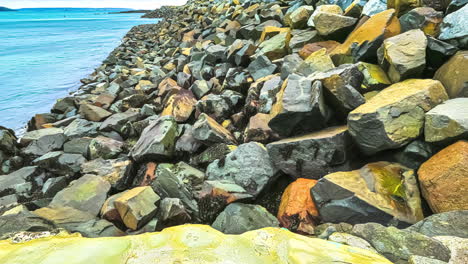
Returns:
point(157, 140)
point(30, 136)
point(451, 223)
point(381, 192)
point(24, 221)
point(454, 75)
point(249, 166)
point(444, 178)
point(313, 155)
point(45, 144)
point(447, 122)
point(81, 128)
point(194, 243)
point(453, 28)
point(239, 218)
point(395, 116)
point(93, 113)
point(118, 172)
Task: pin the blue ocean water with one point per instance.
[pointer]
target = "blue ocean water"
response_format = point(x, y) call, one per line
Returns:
point(45, 52)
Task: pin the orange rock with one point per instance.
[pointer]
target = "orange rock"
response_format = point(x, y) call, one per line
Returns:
point(180, 105)
point(444, 179)
point(166, 86)
point(366, 39)
point(297, 210)
point(308, 49)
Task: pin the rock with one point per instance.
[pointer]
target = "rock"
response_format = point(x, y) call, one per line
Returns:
point(68, 218)
point(109, 211)
point(60, 163)
point(248, 166)
point(87, 194)
point(200, 88)
point(404, 55)
point(390, 119)
point(212, 153)
point(399, 245)
point(137, 206)
point(276, 47)
point(402, 7)
point(24, 221)
point(45, 144)
point(81, 128)
point(53, 185)
point(157, 140)
point(299, 17)
point(447, 122)
point(208, 131)
point(375, 77)
point(443, 178)
point(308, 49)
point(333, 25)
point(318, 61)
point(96, 228)
point(415, 153)
point(268, 93)
point(30, 136)
point(350, 240)
point(180, 105)
point(329, 9)
point(301, 38)
point(363, 42)
point(382, 191)
point(172, 212)
point(297, 211)
point(258, 129)
point(437, 53)
point(186, 242)
point(451, 223)
point(219, 106)
point(93, 113)
point(455, 5)
point(7, 140)
point(454, 75)
point(453, 29)
point(439, 5)
point(424, 18)
point(373, 7)
point(78, 146)
point(117, 121)
point(457, 246)
point(104, 101)
point(313, 155)
point(261, 67)
point(104, 147)
point(118, 172)
point(290, 64)
point(293, 114)
point(64, 105)
point(424, 260)
point(19, 182)
point(239, 218)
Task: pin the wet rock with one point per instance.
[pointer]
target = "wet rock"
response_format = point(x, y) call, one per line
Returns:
point(81, 128)
point(157, 140)
point(24, 221)
point(180, 105)
point(261, 67)
point(454, 75)
point(299, 107)
point(104, 147)
point(399, 245)
point(453, 28)
point(297, 211)
point(443, 178)
point(208, 131)
point(382, 191)
point(451, 223)
point(60, 163)
point(28, 137)
point(93, 113)
point(277, 46)
point(86, 194)
point(117, 121)
point(404, 55)
point(248, 166)
point(447, 122)
point(424, 18)
point(137, 206)
point(390, 119)
point(118, 172)
point(7, 140)
point(313, 155)
point(238, 218)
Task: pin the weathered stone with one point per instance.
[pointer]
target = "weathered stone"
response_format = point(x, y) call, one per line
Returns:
point(157, 140)
point(318, 61)
point(375, 77)
point(451, 223)
point(424, 18)
point(437, 53)
point(200, 88)
point(187, 242)
point(248, 166)
point(447, 122)
point(208, 131)
point(403, 6)
point(117, 121)
point(404, 55)
point(261, 67)
point(87, 194)
point(454, 75)
point(180, 105)
point(390, 119)
point(299, 17)
point(81, 128)
point(7, 140)
point(118, 172)
point(458, 248)
point(239, 218)
point(308, 49)
point(53, 185)
point(258, 129)
point(137, 206)
point(60, 163)
point(415, 153)
point(93, 113)
point(333, 25)
point(65, 217)
point(219, 106)
point(350, 240)
point(301, 38)
point(453, 28)
point(104, 147)
point(24, 221)
point(19, 182)
point(64, 105)
point(384, 192)
point(297, 211)
point(399, 245)
point(424, 260)
point(330, 9)
point(277, 46)
point(444, 178)
point(95, 228)
point(212, 153)
point(373, 7)
point(268, 93)
point(31, 136)
point(45, 144)
point(78, 146)
point(172, 212)
point(299, 107)
point(313, 155)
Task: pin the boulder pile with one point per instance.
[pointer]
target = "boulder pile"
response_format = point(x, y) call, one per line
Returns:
point(344, 120)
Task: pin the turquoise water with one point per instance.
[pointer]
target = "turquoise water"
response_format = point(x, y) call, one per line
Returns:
point(45, 52)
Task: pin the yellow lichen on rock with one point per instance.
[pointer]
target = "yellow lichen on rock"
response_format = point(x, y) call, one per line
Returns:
point(186, 244)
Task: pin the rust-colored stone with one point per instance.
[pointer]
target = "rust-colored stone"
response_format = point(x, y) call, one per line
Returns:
point(297, 210)
point(444, 179)
point(308, 49)
point(180, 105)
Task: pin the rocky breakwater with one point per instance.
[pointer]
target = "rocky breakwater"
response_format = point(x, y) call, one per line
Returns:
point(342, 120)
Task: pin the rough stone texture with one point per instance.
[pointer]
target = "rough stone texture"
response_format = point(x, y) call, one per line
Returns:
point(157, 140)
point(399, 245)
point(258, 129)
point(87, 194)
point(24, 221)
point(117, 121)
point(261, 67)
point(81, 128)
point(277, 46)
point(60, 163)
point(404, 55)
point(93, 113)
point(444, 178)
point(45, 144)
point(195, 243)
point(104, 147)
point(180, 105)
point(249, 166)
point(391, 119)
point(453, 223)
point(454, 75)
point(457, 246)
point(208, 131)
point(424, 18)
point(333, 25)
point(239, 218)
point(313, 155)
point(297, 210)
point(30, 136)
point(382, 191)
point(447, 122)
point(350, 240)
point(118, 172)
point(453, 27)
point(375, 77)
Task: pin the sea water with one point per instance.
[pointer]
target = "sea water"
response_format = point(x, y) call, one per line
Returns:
point(45, 52)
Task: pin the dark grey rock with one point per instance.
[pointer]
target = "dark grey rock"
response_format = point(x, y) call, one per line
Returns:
point(24, 221)
point(60, 163)
point(81, 128)
point(261, 67)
